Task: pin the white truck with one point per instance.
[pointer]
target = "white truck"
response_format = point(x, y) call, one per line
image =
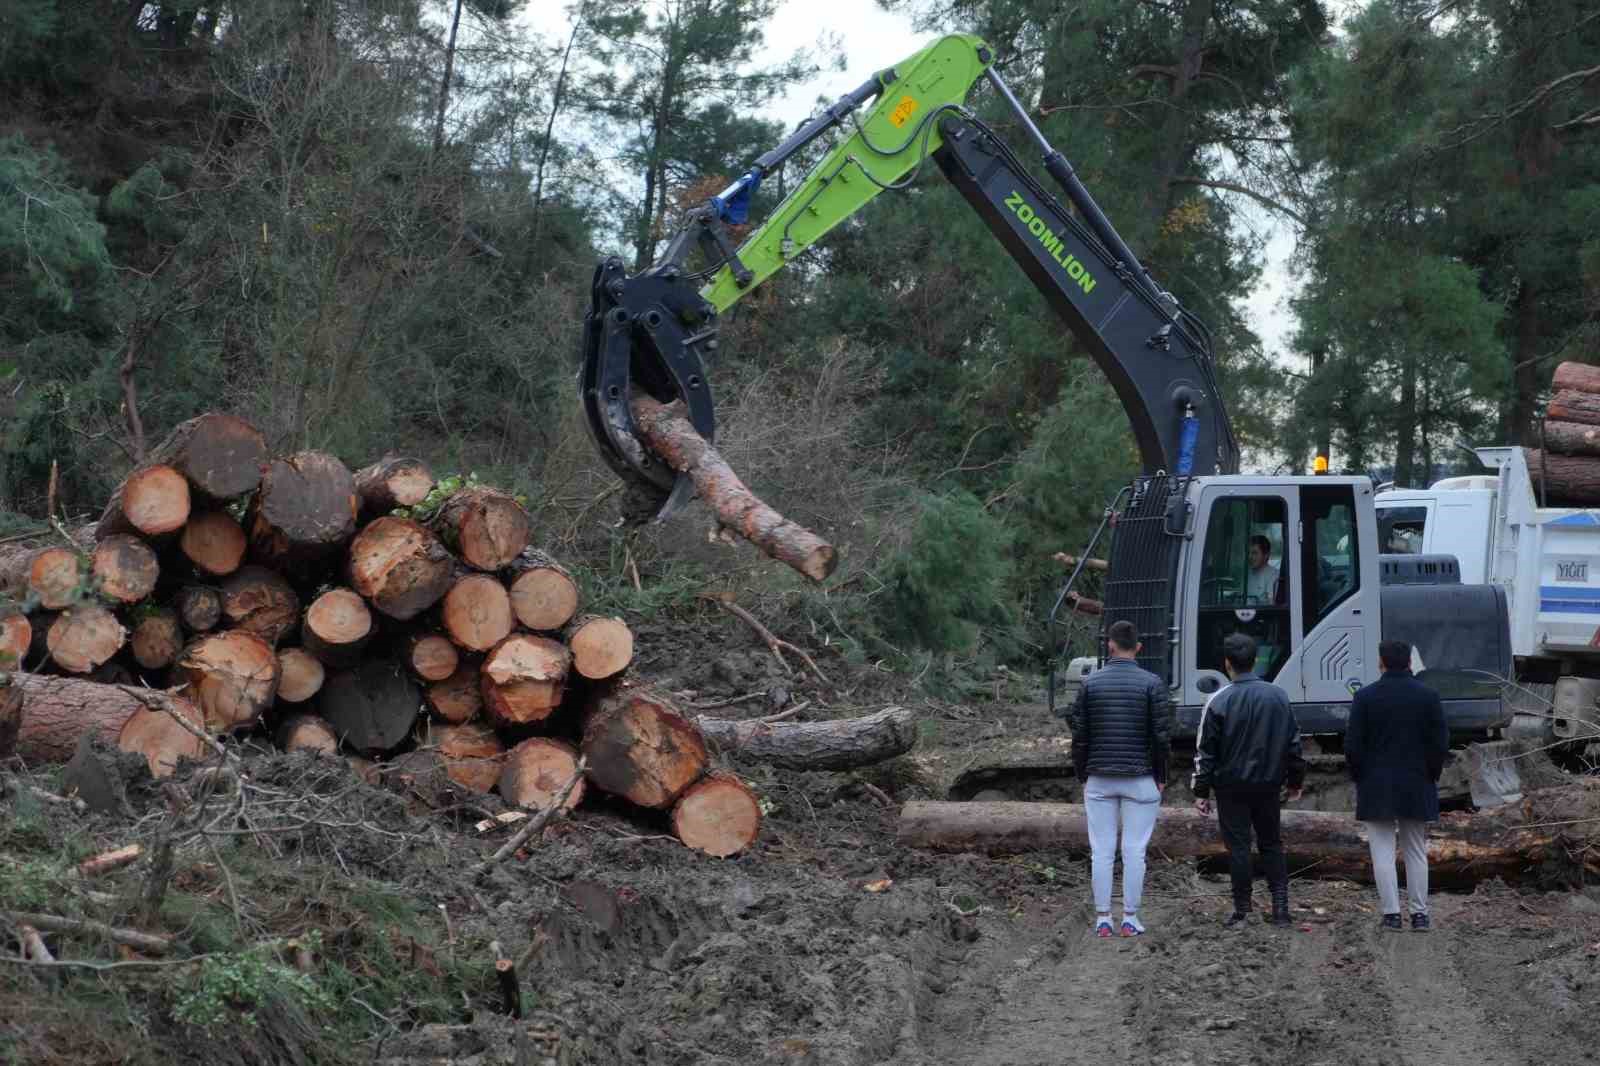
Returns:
point(1547, 559)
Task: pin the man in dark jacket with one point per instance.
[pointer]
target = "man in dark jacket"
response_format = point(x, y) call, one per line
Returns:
point(1395, 749)
point(1120, 747)
point(1247, 748)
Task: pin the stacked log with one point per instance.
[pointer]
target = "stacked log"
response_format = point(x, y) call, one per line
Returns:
point(1566, 468)
point(373, 615)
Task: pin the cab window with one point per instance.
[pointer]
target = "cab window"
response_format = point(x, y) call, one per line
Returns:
point(1400, 529)
point(1244, 582)
point(1331, 556)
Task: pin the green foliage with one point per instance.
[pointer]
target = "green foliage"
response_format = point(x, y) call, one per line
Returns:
point(231, 988)
point(49, 235)
point(948, 585)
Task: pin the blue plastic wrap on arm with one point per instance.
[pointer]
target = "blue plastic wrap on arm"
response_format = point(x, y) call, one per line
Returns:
point(1186, 441)
point(733, 203)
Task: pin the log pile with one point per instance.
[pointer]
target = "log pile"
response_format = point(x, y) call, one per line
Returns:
point(1566, 468)
point(411, 627)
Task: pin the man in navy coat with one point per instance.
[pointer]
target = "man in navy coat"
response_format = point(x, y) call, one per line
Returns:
point(1395, 749)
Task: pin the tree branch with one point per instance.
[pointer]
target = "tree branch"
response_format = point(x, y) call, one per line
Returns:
point(1265, 201)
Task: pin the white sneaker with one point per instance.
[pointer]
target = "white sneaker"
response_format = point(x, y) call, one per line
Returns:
point(1102, 927)
point(1131, 926)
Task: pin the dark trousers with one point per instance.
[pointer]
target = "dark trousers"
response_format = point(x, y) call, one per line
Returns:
point(1238, 812)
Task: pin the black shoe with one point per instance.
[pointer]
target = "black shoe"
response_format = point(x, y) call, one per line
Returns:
point(1392, 921)
point(1236, 920)
point(1419, 923)
point(1280, 914)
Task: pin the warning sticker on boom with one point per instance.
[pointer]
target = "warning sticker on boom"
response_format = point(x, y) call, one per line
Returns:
point(902, 111)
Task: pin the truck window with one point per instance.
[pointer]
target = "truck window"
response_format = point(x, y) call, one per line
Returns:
point(1331, 552)
point(1244, 582)
point(1400, 530)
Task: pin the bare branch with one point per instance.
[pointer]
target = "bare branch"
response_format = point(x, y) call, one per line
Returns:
point(1228, 186)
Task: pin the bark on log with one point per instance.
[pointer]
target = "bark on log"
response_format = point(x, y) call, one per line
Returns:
point(372, 708)
point(1070, 561)
point(125, 567)
point(477, 612)
point(307, 732)
point(544, 595)
point(152, 501)
point(400, 566)
point(300, 675)
point(1570, 405)
point(472, 754)
point(337, 627)
point(220, 455)
point(53, 577)
point(718, 814)
point(523, 678)
point(1579, 377)
point(459, 697)
point(1566, 479)
point(1084, 605)
point(668, 432)
point(16, 637)
point(199, 607)
point(486, 527)
point(431, 656)
point(214, 543)
point(10, 715)
point(1549, 835)
point(1572, 438)
point(601, 647)
point(233, 676)
point(258, 600)
point(157, 638)
point(84, 637)
point(59, 711)
point(304, 513)
point(391, 482)
point(535, 770)
point(845, 744)
point(639, 746)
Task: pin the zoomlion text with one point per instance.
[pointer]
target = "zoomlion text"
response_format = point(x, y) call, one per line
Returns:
point(1052, 244)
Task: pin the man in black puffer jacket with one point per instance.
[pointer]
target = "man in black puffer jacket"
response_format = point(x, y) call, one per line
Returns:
point(1247, 748)
point(1120, 728)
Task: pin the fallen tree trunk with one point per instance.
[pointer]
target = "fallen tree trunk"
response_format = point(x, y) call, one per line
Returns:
point(59, 711)
point(669, 433)
point(1549, 835)
point(844, 744)
point(10, 715)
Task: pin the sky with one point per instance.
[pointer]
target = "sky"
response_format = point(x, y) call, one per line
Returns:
point(872, 39)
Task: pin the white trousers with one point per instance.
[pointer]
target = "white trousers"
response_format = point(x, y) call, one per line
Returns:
point(1128, 803)
point(1413, 840)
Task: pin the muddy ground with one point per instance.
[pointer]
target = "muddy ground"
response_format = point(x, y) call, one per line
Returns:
point(825, 945)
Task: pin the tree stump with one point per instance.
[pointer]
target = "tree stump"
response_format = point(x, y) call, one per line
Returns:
point(642, 748)
point(372, 707)
point(523, 677)
point(400, 567)
point(307, 732)
point(477, 612)
point(601, 647)
point(83, 637)
point(221, 456)
point(126, 568)
point(300, 675)
point(472, 754)
point(534, 772)
point(487, 528)
point(458, 698)
point(152, 501)
point(157, 638)
point(392, 482)
point(258, 600)
point(199, 608)
point(337, 627)
point(432, 657)
point(544, 595)
point(718, 814)
point(233, 676)
point(214, 543)
point(304, 513)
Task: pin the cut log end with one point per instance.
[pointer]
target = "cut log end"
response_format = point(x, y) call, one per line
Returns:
point(601, 647)
point(400, 566)
point(84, 637)
point(543, 595)
point(16, 637)
point(719, 815)
point(304, 511)
point(300, 675)
point(393, 482)
point(199, 607)
point(523, 678)
point(151, 501)
point(337, 626)
point(432, 657)
point(125, 568)
point(488, 528)
point(214, 543)
point(219, 454)
point(157, 639)
point(307, 732)
point(458, 698)
point(535, 771)
point(641, 748)
point(54, 578)
point(372, 708)
point(477, 612)
point(233, 676)
point(153, 733)
point(472, 754)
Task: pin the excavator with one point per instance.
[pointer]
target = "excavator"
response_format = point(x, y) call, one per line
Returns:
point(1195, 549)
